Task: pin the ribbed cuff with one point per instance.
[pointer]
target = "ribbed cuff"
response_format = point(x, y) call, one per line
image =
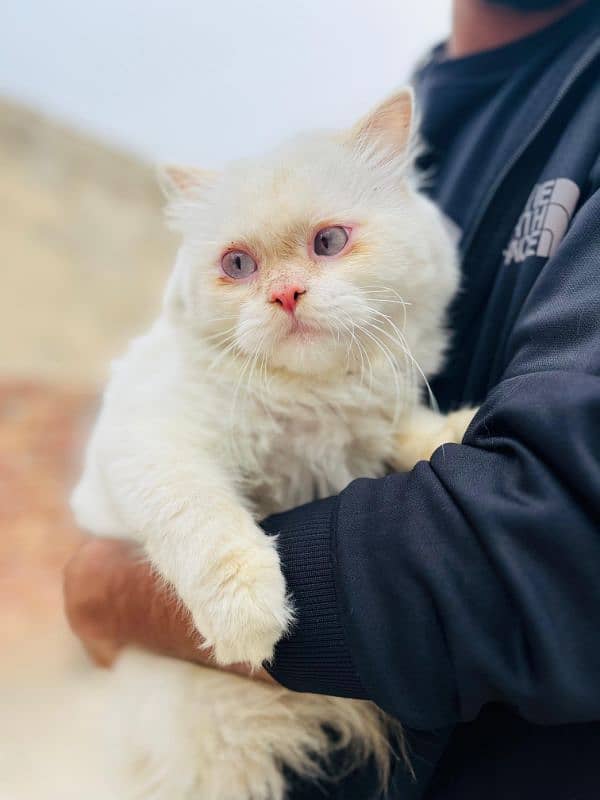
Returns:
point(314, 656)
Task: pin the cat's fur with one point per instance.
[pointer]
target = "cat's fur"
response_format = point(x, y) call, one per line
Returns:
point(226, 411)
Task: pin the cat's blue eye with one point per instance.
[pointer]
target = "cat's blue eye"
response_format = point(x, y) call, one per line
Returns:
point(238, 264)
point(330, 241)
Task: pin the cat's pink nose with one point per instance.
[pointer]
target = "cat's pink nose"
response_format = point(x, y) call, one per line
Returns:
point(287, 296)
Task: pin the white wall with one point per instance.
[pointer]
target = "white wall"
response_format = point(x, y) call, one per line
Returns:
point(202, 81)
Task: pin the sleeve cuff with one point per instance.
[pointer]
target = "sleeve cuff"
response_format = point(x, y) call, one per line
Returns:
point(313, 656)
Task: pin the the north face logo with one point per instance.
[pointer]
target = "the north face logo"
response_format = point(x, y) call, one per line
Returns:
point(544, 221)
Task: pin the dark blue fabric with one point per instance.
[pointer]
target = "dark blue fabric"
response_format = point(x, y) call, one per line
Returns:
point(467, 592)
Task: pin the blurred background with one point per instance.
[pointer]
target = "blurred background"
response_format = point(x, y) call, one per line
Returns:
point(92, 95)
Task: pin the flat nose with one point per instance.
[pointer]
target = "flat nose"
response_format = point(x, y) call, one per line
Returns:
point(287, 296)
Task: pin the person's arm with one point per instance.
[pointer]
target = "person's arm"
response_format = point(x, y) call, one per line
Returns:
point(475, 577)
point(114, 598)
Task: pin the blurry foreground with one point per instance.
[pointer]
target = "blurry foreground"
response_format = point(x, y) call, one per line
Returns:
point(84, 254)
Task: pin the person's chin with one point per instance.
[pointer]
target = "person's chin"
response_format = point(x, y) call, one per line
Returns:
point(528, 5)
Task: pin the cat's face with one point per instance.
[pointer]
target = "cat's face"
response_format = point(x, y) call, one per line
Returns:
point(311, 260)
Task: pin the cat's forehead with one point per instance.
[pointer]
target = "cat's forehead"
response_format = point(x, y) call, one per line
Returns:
point(293, 187)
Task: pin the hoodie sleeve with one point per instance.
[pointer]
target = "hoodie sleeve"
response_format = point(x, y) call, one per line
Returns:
point(475, 577)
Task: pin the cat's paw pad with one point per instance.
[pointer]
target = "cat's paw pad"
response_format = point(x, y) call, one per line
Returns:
point(246, 611)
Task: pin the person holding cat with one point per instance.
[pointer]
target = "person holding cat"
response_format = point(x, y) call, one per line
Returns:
point(462, 597)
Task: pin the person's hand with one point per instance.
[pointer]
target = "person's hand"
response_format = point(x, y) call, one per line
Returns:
point(113, 598)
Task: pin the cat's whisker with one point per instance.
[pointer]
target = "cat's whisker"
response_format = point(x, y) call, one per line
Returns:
point(388, 355)
point(230, 347)
point(361, 352)
point(360, 328)
point(381, 290)
point(337, 330)
point(367, 358)
point(415, 364)
point(215, 337)
point(264, 383)
point(396, 341)
point(399, 339)
point(220, 338)
point(349, 345)
point(373, 290)
point(222, 319)
point(387, 300)
point(400, 334)
point(353, 340)
point(255, 357)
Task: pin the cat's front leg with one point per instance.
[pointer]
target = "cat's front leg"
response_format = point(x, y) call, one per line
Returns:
point(424, 430)
point(227, 572)
point(179, 504)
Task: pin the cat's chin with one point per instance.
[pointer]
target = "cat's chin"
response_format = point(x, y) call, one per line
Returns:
point(308, 352)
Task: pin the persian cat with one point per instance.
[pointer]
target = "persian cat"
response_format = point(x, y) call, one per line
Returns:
point(305, 309)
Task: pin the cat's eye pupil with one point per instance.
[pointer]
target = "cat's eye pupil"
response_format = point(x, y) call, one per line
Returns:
point(330, 241)
point(238, 264)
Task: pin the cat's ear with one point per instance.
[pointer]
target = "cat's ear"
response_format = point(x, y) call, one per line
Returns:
point(183, 187)
point(388, 128)
point(177, 181)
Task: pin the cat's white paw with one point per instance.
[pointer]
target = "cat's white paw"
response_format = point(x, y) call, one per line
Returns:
point(426, 431)
point(244, 610)
point(457, 423)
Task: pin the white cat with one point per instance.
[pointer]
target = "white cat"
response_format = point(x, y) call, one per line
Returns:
point(306, 305)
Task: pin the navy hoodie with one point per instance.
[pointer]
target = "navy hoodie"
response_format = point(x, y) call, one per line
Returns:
point(463, 597)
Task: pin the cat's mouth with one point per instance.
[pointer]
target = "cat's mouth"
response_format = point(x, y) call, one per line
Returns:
point(303, 330)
